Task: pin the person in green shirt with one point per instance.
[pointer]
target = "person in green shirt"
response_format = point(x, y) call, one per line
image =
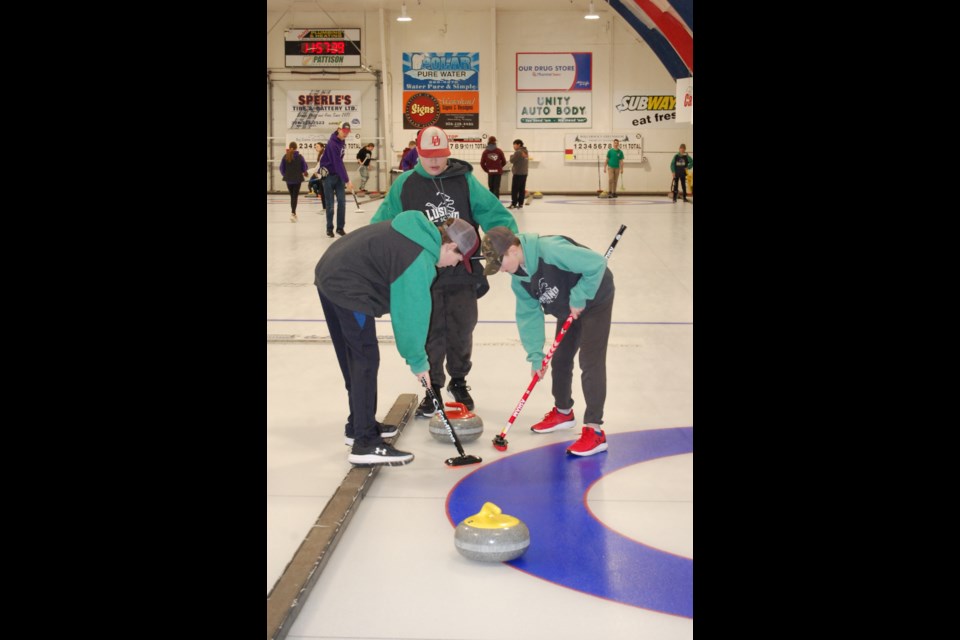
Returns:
point(613, 167)
point(678, 166)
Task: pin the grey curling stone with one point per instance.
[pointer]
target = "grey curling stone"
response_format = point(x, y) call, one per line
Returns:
point(491, 536)
point(465, 423)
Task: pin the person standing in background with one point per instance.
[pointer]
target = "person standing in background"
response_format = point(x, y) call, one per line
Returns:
point(493, 162)
point(615, 166)
point(520, 161)
point(293, 168)
point(678, 166)
point(363, 159)
point(337, 178)
point(410, 157)
point(316, 180)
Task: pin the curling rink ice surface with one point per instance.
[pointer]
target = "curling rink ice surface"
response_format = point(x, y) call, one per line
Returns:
point(611, 535)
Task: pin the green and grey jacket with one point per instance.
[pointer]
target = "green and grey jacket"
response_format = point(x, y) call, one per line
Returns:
point(387, 268)
point(558, 274)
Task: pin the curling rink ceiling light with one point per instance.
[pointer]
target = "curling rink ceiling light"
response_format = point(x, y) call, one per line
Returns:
point(403, 14)
point(592, 15)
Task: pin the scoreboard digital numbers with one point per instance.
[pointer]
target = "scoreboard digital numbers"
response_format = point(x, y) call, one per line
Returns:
point(322, 47)
point(587, 147)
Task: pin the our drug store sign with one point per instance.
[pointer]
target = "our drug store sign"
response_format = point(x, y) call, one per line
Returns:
point(554, 90)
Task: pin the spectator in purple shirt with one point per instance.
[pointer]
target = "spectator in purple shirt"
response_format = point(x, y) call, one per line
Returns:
point(332, 161)
point(410, 157)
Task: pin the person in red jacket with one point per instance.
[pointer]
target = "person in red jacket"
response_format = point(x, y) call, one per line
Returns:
point(492, 162)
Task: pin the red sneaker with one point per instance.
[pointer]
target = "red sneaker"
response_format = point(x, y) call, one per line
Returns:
point(589, 443)
point(554, 421)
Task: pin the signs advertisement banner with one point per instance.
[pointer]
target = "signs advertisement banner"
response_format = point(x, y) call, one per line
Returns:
point(445, 109)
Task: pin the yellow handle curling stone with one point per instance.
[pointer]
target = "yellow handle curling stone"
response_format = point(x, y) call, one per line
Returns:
point(491, 536)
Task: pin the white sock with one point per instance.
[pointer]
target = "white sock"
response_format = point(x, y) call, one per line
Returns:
point(565, 412)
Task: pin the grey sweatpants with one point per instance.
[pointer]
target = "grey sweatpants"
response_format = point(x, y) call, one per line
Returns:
point(588, 334)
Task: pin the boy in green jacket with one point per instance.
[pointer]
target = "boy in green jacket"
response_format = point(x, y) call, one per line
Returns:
point(443, 188)
point(377, 269)
point(555, 275)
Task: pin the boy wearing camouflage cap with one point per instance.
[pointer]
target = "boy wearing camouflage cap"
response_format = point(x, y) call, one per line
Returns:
point(555, 275)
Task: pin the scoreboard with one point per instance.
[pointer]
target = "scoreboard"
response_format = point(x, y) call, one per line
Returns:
point(587, 147)
point(321, 47)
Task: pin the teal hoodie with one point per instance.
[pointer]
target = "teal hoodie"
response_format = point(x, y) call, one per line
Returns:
point(455, 193)
point(417, 186)
point(559, 274)
point(387, 268)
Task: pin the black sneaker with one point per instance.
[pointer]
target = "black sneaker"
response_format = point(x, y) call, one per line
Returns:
point(329, 233)
point(461, 392)
point(341, 232)
point(382, 453)
point(426, 408)
point(386, 431)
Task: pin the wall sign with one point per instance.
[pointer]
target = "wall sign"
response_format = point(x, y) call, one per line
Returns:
point(560, 110)
point(323, 109)
point(554, 71)
point(588, 147)
point(321, 47)
point(638, 110)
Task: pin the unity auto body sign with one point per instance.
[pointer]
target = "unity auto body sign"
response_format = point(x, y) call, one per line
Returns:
point(554, 110)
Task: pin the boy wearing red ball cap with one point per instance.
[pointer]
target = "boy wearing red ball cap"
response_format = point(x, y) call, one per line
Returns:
point(442, 188)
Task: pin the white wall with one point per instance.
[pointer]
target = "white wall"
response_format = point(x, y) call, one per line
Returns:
point(622, 62)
